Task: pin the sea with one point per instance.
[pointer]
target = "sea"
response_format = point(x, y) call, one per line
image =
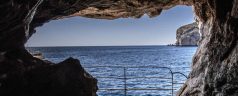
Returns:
point(129, 70)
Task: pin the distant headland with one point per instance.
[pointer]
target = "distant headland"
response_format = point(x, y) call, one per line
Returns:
point(187, 35)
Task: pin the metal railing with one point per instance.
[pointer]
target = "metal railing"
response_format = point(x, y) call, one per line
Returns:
point(125, 77)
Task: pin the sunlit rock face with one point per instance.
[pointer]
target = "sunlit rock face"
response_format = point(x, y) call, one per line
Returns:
point(214, 67)
point(188, 35)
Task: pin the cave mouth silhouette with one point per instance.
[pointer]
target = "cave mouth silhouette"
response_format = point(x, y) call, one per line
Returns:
point(214, 66)
point(67, 24)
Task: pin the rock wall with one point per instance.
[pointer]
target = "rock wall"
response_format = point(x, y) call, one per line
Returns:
point(188, 35)
point(214, 68)
point(215, 64)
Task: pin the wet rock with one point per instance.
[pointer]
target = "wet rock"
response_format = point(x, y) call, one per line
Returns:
point(188, 35)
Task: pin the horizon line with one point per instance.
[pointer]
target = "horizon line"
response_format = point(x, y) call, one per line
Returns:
point(97, 45)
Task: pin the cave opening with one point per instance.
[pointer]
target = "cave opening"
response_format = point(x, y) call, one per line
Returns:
point(214, 66)
point(121, 42)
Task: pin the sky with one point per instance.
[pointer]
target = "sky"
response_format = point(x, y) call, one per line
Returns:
point(80, 31)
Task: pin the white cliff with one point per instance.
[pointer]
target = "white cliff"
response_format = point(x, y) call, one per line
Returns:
point(188, 35)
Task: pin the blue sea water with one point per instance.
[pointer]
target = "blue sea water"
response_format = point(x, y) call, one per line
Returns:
point(139, 61)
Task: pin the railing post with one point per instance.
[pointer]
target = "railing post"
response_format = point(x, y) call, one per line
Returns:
point(172, 83)
point(125, 85)
point(173, 80)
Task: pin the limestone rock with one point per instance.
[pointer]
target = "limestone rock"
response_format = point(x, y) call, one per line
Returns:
point(188, 35)
point(215, 64)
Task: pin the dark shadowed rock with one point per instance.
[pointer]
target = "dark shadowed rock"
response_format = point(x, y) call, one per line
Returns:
point(37, 78)
point(188, 35)
point(67, 78)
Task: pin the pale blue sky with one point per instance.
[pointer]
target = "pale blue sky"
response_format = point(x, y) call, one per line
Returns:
point(79, 31)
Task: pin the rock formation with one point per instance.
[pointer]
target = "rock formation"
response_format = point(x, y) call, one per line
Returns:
point(188, 35)
point(28, 76)
point(214, 68)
